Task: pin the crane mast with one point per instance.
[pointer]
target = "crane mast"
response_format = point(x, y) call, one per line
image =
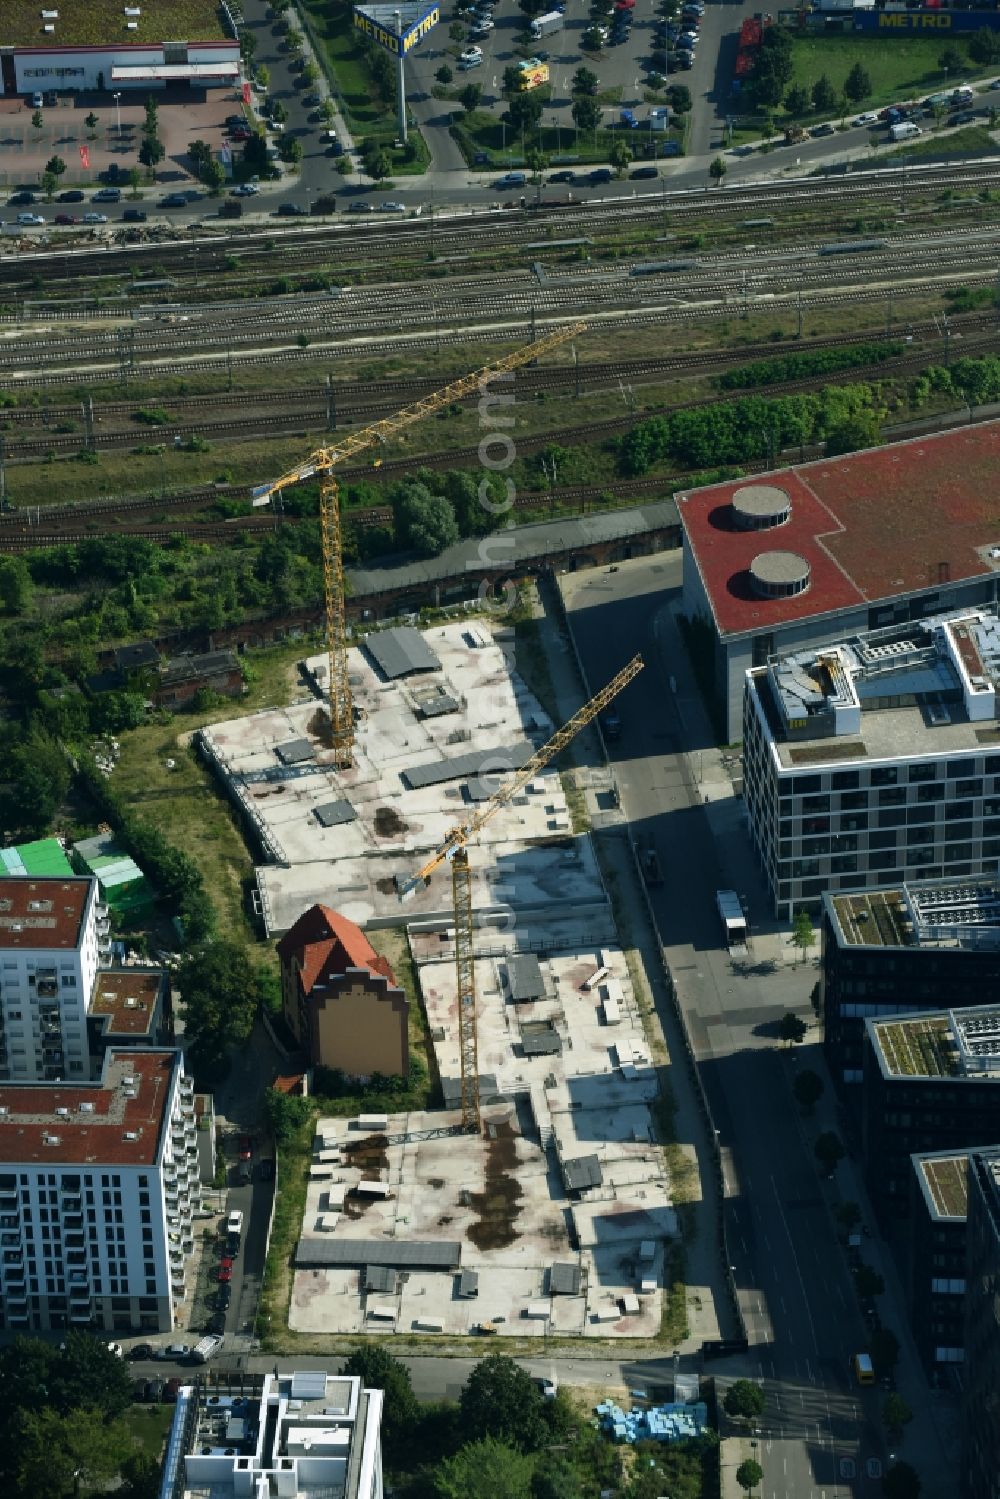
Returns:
point(322, 462)
point(455, 850)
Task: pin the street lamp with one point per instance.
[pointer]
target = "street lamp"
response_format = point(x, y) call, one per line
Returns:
point(118, 113)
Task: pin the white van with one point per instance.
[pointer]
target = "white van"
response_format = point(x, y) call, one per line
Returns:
point(904, 131)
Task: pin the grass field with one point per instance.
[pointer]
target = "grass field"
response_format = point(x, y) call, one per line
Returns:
point(963, 142)
point(149, 1425)
point(899, 69)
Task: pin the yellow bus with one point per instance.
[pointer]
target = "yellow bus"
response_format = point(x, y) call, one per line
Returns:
point(864, 1373)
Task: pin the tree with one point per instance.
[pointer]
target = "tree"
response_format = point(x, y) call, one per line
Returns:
point(36, 119)
point(424, 522)
point(85, 1372)
point(293, 41)
point(470, 96)
point(487, 1469)
point(263, 76)
point(524, 112)
point(679, 98)
point(141, 1477)
point(287, 1114)
point(91, 124)
point(848, 1215)
point(248, 45)
point(378, 164)
point(554, 1478)
point(586, 113)
point(829, 1151)
point(620, 155)
point(55, 165)
point(151, 109)
point(501, 1401)
point(531, 7)
point(290, 150)
point(134, 178)
point(808, 1090)
point(951, 61)
point(537, 161)
point(883, 1345)
point(49, 184)
point(852, 434)
point(744, 1400)
point(255, 157)
point(717, 170)
point(585, 81)
point(803, 934)
point(868, 1281)
point(377, 1368)
point(511, 80)
point(824, 95)
point(200, 153)
point(310, 75)
point(901, 1482)
point(896, 1415)
point(55, 1455)
point(984, 47)
point(444, 75)
point(749, 1474)
point(214, 177)
point(151, 151)
point(792, 1028)
point(798, 101)
point(220, 994)
point(858, 84)
point(773, 69)
point(592, 39)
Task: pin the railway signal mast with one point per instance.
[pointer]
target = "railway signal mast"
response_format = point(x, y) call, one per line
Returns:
point(322, 463)
point(455, 851)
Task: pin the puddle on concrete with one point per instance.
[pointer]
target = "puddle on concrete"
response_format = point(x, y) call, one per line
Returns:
point(497, 1205)
point(388, 823)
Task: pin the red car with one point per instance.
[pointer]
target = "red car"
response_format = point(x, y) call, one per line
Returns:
point(246, 1148)
point(225, 1271)
point(239, 133)
point(64, 218)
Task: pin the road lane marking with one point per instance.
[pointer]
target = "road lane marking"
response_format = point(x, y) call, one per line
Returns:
point(798, 1268)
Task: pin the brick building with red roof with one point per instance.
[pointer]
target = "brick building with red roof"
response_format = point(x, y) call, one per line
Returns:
point(852, 544)
point(341, 999)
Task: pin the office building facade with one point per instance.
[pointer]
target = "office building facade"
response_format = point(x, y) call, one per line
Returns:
point(936, 1251)
point(904, 949)
point(875, 761)
point(981, 1393)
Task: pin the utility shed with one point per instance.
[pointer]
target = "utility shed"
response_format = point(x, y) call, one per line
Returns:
point(524, 975)
point(123, 884)
point(380, 1278)
point(43, 858)
point(564, 1280)
point(544, 1041)
point(403, 1254)
point(401, 652)
point(295, 751)
point(468, 1283)
point(334, 814)
point(488, 762)
point(582, 1173)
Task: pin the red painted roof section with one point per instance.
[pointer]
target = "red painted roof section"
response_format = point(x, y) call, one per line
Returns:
point(323, 943)
point(871, 525)
point(42, 913)
point(90, 1139)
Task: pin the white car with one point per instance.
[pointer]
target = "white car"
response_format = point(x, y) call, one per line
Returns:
point(390, 207)
point(868, 118)
point(37, 100)
point(95, 218)
point(245, 190)
point(28, 219)
point(481, 28)
point(471, 58)
point(234, 1223)
point(116, 1349)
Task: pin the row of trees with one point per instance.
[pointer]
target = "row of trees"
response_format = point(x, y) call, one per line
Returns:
point(801, 366)
point(846, 417)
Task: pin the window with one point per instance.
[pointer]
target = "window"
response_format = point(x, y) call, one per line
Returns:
point(923, 772)
point(892, 796)
point(956, 768)
point(885, 775)
point(969, 788)
point(854, 801)
point(845, 780)
point(892, 817)
point(883, 840)
point(931, 793)
point(803, 785)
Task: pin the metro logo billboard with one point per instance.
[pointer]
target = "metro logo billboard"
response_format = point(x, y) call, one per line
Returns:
point(378, 23)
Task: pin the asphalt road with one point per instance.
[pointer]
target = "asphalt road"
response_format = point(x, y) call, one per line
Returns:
point(792, 1279)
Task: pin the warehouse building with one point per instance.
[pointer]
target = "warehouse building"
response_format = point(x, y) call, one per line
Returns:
point(74, 45)
point(876, 759)
point(852, 544)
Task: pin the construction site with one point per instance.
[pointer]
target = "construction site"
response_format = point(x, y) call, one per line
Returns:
point(414, 784)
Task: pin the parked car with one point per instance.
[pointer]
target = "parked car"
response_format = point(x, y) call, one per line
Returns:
point(870, 117)
point(265, 1169)
point(601, 174)
point(216, 1323)
point(30, 220)
point(821, 130)
point(51, 98)
point(640, 174)
point(73, 196)
point(36, 101)
point(561, 177)
point(390, 206)
point(108, 195)
point(509, 180)
point(153, 1391)
point(174, 200)
point(240, 132)
point(22, 197)
point(134, 216)
point(286, 211)
point(224, 1296)
point(174, 1353)
point(225, 1272)
point(116, 1349)
point(172, 1389)
point(139, 1351)
point(245, 190)
point(65, 218)
point(234, 1222)
point(95, 218)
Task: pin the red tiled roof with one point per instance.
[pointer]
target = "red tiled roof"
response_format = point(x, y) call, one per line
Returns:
point(871, 525)
point(42, 913)
point(114, 989)
point(98, 1138)
point(323, 943)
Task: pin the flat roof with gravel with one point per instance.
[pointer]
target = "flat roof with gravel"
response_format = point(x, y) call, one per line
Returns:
point(101, 23)
point(945, 1182)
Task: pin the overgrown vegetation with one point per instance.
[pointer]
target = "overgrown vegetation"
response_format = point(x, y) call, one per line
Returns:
point(818, 362)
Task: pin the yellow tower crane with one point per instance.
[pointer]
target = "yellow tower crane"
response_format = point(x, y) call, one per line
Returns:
point(455, 850)
point(322, 462)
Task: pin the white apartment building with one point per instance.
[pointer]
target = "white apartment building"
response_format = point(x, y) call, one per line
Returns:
point(877, 761)
point(54, 935)
point(98, 1183)
point(299, 1435)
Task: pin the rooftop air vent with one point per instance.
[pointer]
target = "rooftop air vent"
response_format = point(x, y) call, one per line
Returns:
point(758, 507)
point(86, 1108)
point(779, 575)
